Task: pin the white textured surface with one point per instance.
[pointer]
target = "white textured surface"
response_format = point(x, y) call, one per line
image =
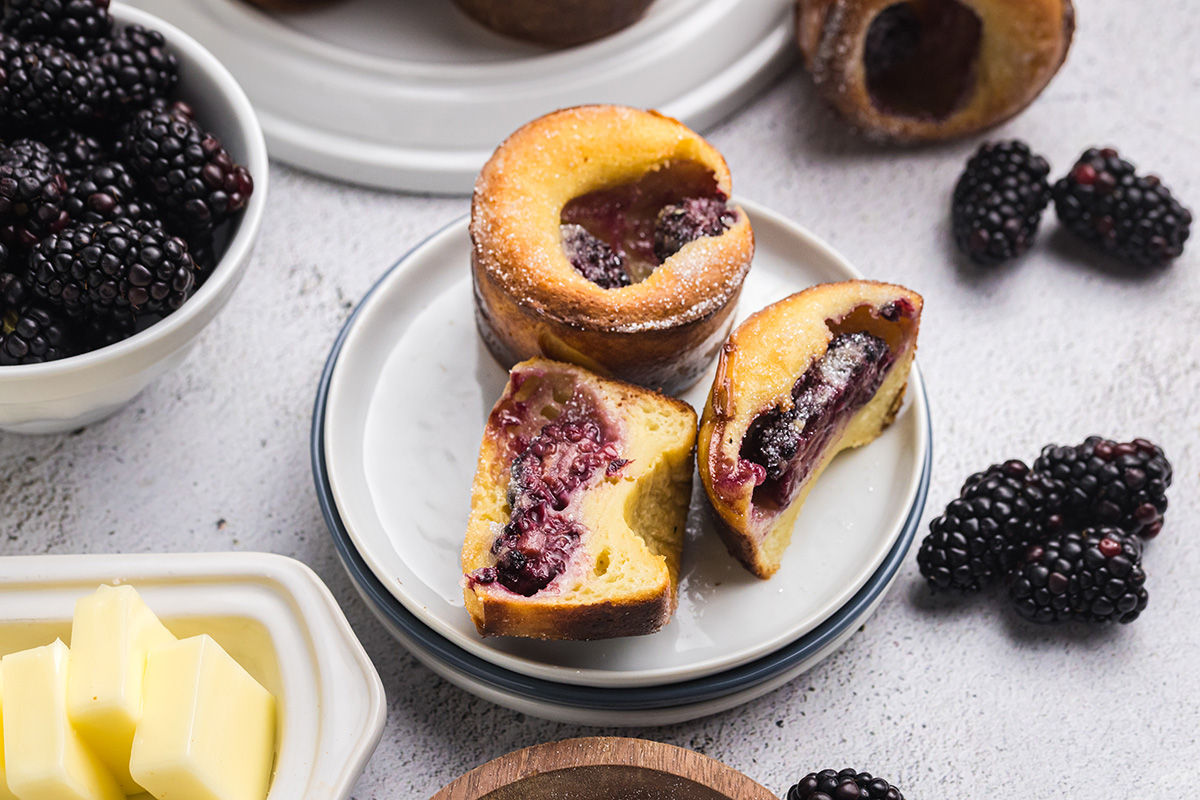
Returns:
point(943, 699)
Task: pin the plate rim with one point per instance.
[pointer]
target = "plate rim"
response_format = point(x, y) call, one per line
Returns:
point(665, 713)
point(345, 543)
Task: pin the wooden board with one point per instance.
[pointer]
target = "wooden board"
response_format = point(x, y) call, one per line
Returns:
point(603, 768)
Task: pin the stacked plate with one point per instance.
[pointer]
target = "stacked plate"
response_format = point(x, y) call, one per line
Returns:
point(396, 429)
point(415, 95)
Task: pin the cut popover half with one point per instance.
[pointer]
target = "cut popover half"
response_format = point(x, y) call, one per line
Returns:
point(798, 382)
point(578, 508)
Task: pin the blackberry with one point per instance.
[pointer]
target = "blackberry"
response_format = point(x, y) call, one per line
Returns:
point(1111, 583)
point(1102, 200)
point(1093, 576)
point(187, 172)
point(32, 335)
point(33, 192)
point(204, 253)
point(688, 220)
point(985, 531)
point(593, 258)
point(77, 151)
point(13, 290)
point(1040, 589)
point(771, 442)
point(108, 193)
point(98, 332)
point(175, 107)
point(139, 68)
point(75, 25)
point(845, 376)
point(1108, 483)
point(42, 85)
point(848, 784)
point(998, 202)
point(892, 38)
point(116, 269)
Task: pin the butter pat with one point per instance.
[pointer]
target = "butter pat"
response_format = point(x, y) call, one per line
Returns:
point(5, 794)
point(112, 631)
point(208, 728)
point(44, 756)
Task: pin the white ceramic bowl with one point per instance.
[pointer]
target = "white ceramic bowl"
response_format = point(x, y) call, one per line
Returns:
point(63, 395)
point(271, 613)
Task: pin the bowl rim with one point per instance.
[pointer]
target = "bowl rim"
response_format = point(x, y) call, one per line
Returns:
point(238, 250)
point(597, 751)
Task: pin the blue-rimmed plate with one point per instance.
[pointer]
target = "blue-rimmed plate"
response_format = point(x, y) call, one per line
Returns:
point(399, 415)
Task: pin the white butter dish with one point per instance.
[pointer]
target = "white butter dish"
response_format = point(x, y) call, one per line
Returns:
point(271, 613)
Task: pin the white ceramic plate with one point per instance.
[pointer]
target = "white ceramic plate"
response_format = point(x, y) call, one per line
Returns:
point(406, 406)
point(413, 95)
point(271, 613)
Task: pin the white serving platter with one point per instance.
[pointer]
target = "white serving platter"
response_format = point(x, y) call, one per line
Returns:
point(414, 95)
point(403, 416)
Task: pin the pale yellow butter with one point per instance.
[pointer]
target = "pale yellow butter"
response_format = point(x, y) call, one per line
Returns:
point(208, 728)
point(110, 635)
point(44, 756)
point(5, 794)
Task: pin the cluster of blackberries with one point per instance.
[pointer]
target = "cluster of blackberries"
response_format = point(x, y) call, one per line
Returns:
point(999, 199)
point(111, 193)
point(1066, 534)
point(847, 784)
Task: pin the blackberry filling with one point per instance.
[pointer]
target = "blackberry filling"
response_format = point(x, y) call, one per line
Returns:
point(616, 236)
point(535, 545)
point(919, 57)
point(592, 258)
point(688, 220)
point(782, 446)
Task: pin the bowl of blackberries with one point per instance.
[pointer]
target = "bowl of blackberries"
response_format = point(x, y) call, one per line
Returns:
point(132, 185)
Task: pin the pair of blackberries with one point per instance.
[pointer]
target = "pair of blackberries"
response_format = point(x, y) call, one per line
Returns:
point(1066, 534)
point(999, 199)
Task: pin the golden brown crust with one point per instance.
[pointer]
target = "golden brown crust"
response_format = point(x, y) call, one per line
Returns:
point(660, 332)
point(636, 616)
point(622, 577)
point(756, 371)
point(1021, 47)
point(558, 23)
point(810, 16)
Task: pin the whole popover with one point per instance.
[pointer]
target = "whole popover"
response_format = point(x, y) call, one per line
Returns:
point(604, 236)
point(925, 70)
